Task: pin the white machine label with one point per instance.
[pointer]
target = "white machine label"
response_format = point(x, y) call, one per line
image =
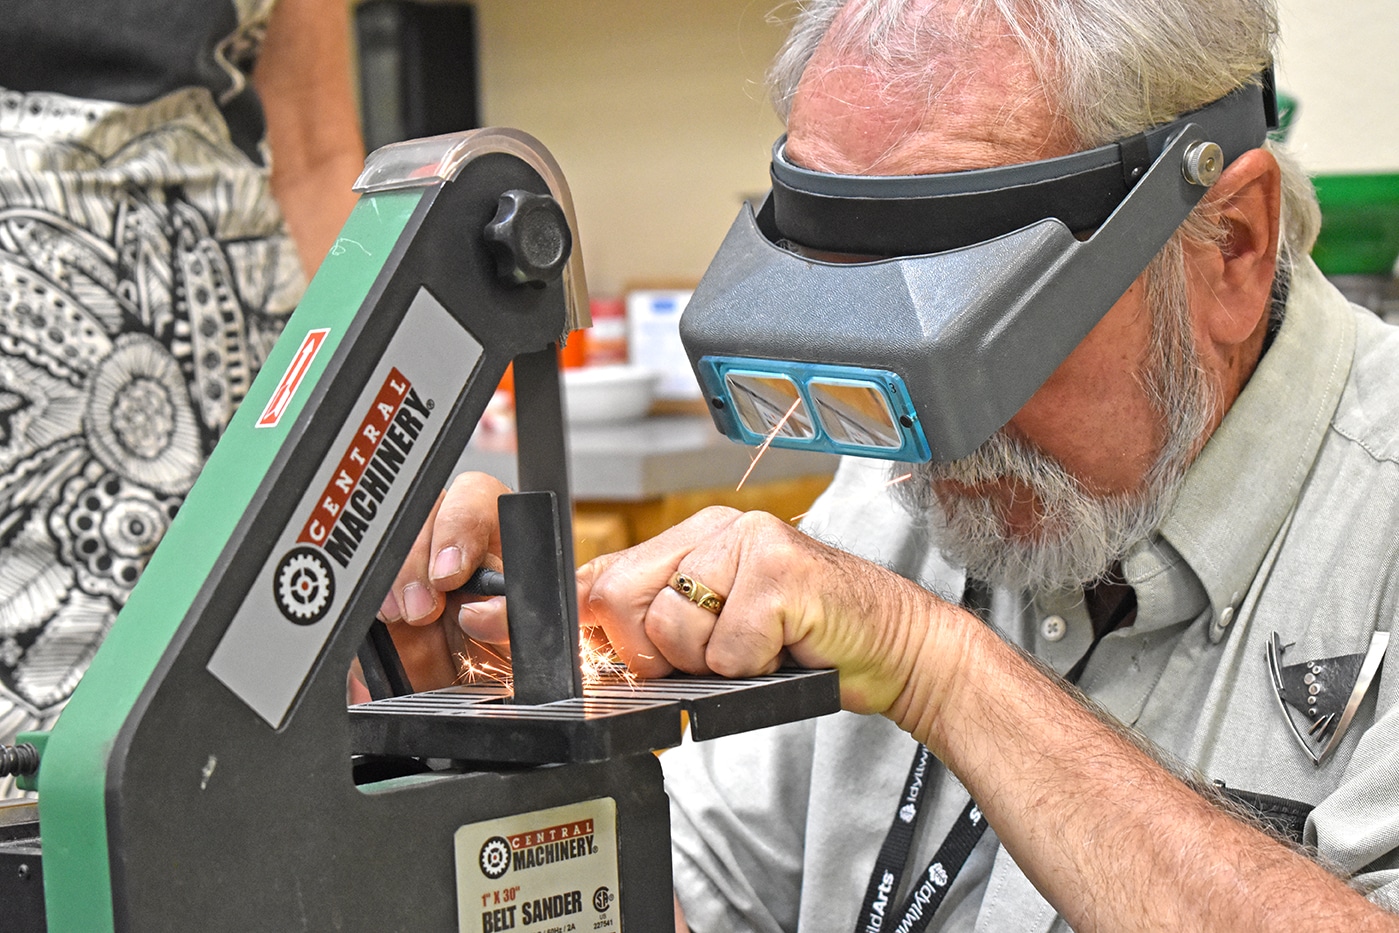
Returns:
point(274, 639)
point(547, 871)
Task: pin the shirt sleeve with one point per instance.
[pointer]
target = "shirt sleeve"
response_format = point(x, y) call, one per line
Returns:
point(738, 810)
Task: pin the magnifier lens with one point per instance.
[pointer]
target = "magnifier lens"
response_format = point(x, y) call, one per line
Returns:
point(855, 413)
point(763, 402)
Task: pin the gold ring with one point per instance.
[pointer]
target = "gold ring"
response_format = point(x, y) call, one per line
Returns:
point(697, 593)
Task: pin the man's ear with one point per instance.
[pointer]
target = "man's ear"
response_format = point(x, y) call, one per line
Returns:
point(1233, 279)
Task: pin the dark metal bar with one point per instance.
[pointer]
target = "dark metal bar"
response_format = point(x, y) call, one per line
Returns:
point(378, 659)
point(539, 594)
point(542, 464)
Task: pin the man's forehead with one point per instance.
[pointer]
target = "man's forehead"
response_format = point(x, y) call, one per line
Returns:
point(971, 101)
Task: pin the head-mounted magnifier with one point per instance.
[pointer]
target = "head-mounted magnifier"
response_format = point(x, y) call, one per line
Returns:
point(926, 354)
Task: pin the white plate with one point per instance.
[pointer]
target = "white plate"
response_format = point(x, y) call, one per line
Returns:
point(598, 394)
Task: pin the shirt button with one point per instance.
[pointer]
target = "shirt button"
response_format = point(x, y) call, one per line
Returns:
point(1053, 628)
point(1221, 624)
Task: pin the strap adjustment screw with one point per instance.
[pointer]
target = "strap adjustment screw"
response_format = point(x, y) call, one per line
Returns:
point(1202, 163)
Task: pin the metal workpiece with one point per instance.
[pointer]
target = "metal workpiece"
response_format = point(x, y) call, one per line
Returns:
point(207, 765)
point(542, 608)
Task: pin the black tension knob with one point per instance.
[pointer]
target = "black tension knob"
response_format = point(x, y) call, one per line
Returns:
point(529, 238)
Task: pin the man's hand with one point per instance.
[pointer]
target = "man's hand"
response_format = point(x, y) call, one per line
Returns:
point(786, 595)
point(461, 534)
point(1100, 827)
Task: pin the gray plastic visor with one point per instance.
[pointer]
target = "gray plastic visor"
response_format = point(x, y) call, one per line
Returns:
point(919, 357)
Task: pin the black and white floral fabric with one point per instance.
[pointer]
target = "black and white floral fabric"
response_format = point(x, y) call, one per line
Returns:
point(145, 272)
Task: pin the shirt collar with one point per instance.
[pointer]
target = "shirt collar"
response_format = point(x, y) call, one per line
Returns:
point(1244, 483)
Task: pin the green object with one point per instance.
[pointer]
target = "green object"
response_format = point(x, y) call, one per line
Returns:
point(1287, 112)
point(39, 740)
point(1359, 224)
point(73, 770)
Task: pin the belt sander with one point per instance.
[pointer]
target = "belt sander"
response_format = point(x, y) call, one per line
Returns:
point(208, 774)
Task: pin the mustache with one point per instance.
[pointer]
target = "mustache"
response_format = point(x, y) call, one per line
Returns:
point(1076, 535)
point(1005, 457)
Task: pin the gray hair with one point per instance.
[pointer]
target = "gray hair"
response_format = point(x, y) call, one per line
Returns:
point(1111, 68)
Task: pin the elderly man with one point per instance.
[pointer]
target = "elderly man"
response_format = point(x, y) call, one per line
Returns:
point(1201, 495)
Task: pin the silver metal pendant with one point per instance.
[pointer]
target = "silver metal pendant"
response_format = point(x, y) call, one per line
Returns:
point(1327, 691)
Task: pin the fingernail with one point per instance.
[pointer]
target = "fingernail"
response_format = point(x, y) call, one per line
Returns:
point(470, 614)
point(466, 614)
point(389, 610)
point(417, 601)
point(447, 562)
point(479, 609)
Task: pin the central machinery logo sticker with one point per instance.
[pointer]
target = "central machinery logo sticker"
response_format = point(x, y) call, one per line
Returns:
point(304, 583)
point(532, 849)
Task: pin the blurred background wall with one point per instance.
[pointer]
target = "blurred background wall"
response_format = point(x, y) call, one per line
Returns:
point(658, 114)
point(1339, 60)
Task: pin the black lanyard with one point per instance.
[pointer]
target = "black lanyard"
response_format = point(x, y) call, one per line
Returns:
point(917, 910)
point(923, 901)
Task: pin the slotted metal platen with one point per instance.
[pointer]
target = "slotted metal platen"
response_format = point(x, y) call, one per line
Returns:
point(617, 716)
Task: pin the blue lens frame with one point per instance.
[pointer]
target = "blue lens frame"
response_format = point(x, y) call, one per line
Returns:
point(713, 370)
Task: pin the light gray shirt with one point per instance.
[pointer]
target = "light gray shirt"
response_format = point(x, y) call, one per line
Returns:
point(1287, 522)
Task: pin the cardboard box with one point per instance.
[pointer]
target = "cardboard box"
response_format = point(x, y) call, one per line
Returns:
point(653, 337)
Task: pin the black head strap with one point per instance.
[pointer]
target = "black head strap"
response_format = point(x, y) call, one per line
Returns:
point(909, 215)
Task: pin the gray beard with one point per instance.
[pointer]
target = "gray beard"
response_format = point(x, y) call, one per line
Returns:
point(1078, 535)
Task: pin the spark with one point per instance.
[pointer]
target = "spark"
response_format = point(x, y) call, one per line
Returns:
point(600, 664)
point(598, 661)
point(495, 668)
point(767, 441)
